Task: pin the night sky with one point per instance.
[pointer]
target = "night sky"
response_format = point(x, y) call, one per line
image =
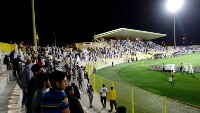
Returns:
point(78, 20)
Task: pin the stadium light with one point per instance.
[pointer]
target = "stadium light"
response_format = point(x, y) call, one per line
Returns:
point(173, 6)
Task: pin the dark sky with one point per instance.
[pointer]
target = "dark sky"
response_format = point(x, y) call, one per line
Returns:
point(78, 20)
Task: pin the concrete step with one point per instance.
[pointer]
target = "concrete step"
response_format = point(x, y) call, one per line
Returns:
point(5, 96)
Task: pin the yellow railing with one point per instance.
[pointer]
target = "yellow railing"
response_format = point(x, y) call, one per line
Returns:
point(124, 93)
point(128, 96)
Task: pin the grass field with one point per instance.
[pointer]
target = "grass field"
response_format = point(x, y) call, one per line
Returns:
point(186, 87)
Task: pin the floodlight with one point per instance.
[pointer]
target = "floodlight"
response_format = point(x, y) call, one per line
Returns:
point(174, 5)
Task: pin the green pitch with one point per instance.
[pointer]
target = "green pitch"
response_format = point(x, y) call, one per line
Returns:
point(186, 87)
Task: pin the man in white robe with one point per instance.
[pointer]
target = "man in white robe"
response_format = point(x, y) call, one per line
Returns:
point(85, 84)
point(190, 69)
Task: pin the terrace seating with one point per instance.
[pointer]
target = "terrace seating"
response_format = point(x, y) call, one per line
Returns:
point(14, 103)
point(2, 68)
point(5, 77)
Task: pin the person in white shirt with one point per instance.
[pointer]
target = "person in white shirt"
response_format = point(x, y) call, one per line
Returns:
point(186, 67)
point(85, 84)
point(190, 69)
point(103, 93)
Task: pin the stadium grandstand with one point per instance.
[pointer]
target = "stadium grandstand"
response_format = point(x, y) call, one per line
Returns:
point(124, 33)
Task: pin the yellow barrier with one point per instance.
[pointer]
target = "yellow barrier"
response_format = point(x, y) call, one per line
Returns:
point(132, 101)
point(165, 110)
point(124, 93)
point(5, 47)
point(127, 96)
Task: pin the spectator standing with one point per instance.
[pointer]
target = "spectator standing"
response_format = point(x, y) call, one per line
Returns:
point(86, 75)
point(84, 84)
point(103, 93)
point(6, 61)
point(32, 86)
point(23, 79)
point(69, 75)
point(12, 55)
point(43, 83)
point(16, 66)
point(112, 96)
point(55, 100)
point(79, 79)
point(76, 91)
point(90, 92)
point(39, 62)
point(74, 103)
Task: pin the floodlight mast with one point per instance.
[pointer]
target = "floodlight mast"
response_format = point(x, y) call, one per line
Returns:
point(173, 6)
point(33, 24)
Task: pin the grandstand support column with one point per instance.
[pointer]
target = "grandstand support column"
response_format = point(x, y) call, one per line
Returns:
point(100, 40)
point(132, 100)
point(33, 23)
point(101, 81)
point(174, 31)
point(97, 40)
point(165, 110)
point(94, 87)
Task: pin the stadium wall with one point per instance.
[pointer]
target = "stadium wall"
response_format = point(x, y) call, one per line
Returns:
point(6, 48)
point(88, 45)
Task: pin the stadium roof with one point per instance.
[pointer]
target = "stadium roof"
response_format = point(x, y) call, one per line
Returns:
point(129, 33)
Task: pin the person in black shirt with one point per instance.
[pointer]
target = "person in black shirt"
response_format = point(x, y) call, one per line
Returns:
point(74, 103)
point(11, 55)
point(6, 61)
point(16, 66)
point(32, 86)
point(181, 68)
point(76, 91)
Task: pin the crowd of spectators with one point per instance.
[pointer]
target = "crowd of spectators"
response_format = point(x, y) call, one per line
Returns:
point(48, 71)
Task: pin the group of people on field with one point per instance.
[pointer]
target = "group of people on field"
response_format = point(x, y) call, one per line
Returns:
point(182, 69)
